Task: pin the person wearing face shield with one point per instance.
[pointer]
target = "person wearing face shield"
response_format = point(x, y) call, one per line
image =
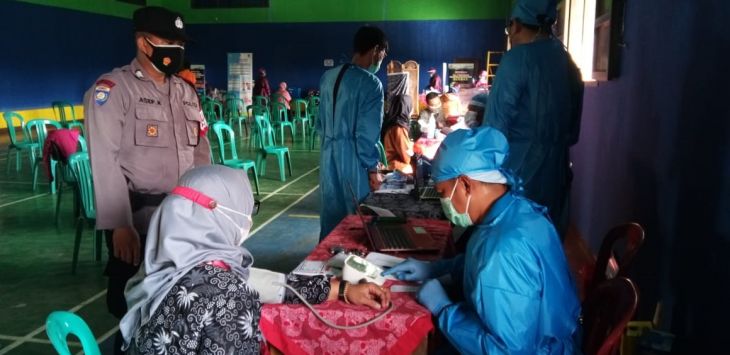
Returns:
point(145, 130)
point(197, 291)
point(475, 110)
point(536, 101)
point(518, 294)
point(349, 122)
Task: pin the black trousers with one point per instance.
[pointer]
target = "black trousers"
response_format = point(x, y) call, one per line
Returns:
point(119, 272)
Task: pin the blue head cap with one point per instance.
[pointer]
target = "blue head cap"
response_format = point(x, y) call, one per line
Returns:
point(535, 12)
point(477, 153)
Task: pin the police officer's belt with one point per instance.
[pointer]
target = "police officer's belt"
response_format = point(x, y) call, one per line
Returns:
point(139, 200)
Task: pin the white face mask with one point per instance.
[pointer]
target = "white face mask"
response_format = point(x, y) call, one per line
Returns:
point(242, 232)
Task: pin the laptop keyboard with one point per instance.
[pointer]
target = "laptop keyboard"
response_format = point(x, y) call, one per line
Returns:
point(430, 193)
point(394, 238)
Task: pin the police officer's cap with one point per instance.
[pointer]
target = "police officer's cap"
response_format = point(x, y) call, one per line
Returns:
point(161, 22)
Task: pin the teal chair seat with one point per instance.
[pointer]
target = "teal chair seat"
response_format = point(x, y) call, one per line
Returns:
point(281, 121)
point(223, 133)
point(18, 145)
point(60, 324)
point(37, 130)
point(60, 109)
point(236, 112)
point(301, 115)
point(267, 147)
point(84, 188)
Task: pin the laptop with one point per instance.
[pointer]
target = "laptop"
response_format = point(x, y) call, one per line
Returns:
point(395, 237)
point(423, 191)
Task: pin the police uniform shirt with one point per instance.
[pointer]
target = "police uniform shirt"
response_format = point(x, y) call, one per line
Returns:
point(142, 137)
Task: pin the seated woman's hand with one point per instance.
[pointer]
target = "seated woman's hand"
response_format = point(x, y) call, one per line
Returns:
point(368, 294)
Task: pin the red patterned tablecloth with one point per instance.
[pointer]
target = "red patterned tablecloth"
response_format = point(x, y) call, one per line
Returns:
point(293, 329)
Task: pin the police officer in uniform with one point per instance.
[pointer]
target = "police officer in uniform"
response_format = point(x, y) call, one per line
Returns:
point(145, 129)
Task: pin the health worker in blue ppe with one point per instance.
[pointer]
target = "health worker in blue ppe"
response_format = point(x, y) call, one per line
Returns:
point(349, 122)
point(536, 101)
point(518, 294)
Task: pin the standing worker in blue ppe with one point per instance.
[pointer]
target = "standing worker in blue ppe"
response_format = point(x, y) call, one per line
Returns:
point(350, 117)
point(519, 296)
point(536, 101)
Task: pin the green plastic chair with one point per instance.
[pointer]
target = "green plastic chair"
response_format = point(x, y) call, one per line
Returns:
point(235, 111)
point(261, 100)
point(66, 176)
point(301, 116)
point(37, 130)
point(261, 111)
point(313, 100)
point(60, 324)
point(381, 150)
point(213, 111)
point(281, 121)
point(16, 144)
point(67, 121)
point(267, 147)
point(223, 131)
point(81, 170)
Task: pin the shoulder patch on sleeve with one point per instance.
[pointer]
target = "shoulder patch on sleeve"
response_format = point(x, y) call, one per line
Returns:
point(102, 91)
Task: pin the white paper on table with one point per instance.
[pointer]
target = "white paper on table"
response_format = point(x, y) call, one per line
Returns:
point(379, 211)
point(383, 260)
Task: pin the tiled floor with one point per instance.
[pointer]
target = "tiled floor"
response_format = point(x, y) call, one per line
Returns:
point(35, 254)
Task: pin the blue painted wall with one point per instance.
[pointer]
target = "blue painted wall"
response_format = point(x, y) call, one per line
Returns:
point(295, 52)
point(62, 52)
point(655, 148)
point(56, 54)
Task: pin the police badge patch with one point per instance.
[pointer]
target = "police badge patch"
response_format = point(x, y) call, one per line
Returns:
point(102, 91)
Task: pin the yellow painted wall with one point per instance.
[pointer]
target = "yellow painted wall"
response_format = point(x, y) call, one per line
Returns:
point(46, 112)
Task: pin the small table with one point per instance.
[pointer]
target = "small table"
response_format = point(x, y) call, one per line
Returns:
point(293, 329)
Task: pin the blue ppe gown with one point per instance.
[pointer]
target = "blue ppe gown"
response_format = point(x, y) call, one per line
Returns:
point(349, 137)
point(536, 102)
point(519, 295)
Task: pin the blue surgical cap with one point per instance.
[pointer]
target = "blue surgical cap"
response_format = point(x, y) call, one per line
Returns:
point(535, 12)
point(470, 152)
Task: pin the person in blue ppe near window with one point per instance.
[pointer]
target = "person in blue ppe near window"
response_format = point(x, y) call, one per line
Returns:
point(536, 101)
point(349, 122)
point(519, 296)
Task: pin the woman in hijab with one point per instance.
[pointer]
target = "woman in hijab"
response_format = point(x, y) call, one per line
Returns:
point(194, 292)
point(398, 146)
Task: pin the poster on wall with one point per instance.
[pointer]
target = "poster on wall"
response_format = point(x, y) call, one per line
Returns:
point(240, 76)
point(199, 71)
point(461, 74)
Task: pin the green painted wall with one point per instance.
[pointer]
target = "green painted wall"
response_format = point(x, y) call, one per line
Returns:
point(309, 10)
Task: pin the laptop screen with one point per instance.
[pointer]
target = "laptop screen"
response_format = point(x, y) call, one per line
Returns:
point(357, 209)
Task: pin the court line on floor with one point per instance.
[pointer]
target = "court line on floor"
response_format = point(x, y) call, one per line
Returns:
point(34, 340)
point(23, 200)
point(296, 215)
point(16, 182)
point(275, 192)
point(25, 338)
point(258, 228)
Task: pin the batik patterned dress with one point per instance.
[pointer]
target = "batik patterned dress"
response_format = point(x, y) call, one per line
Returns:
point(213, 311)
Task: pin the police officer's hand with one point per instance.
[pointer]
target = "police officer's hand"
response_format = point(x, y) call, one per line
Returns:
point(126, 245)
point(376, 179)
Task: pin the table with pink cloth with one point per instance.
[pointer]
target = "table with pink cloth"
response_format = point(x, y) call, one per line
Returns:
point(293, 329)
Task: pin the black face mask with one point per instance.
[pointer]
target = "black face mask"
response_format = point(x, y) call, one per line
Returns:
point(167, 58)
